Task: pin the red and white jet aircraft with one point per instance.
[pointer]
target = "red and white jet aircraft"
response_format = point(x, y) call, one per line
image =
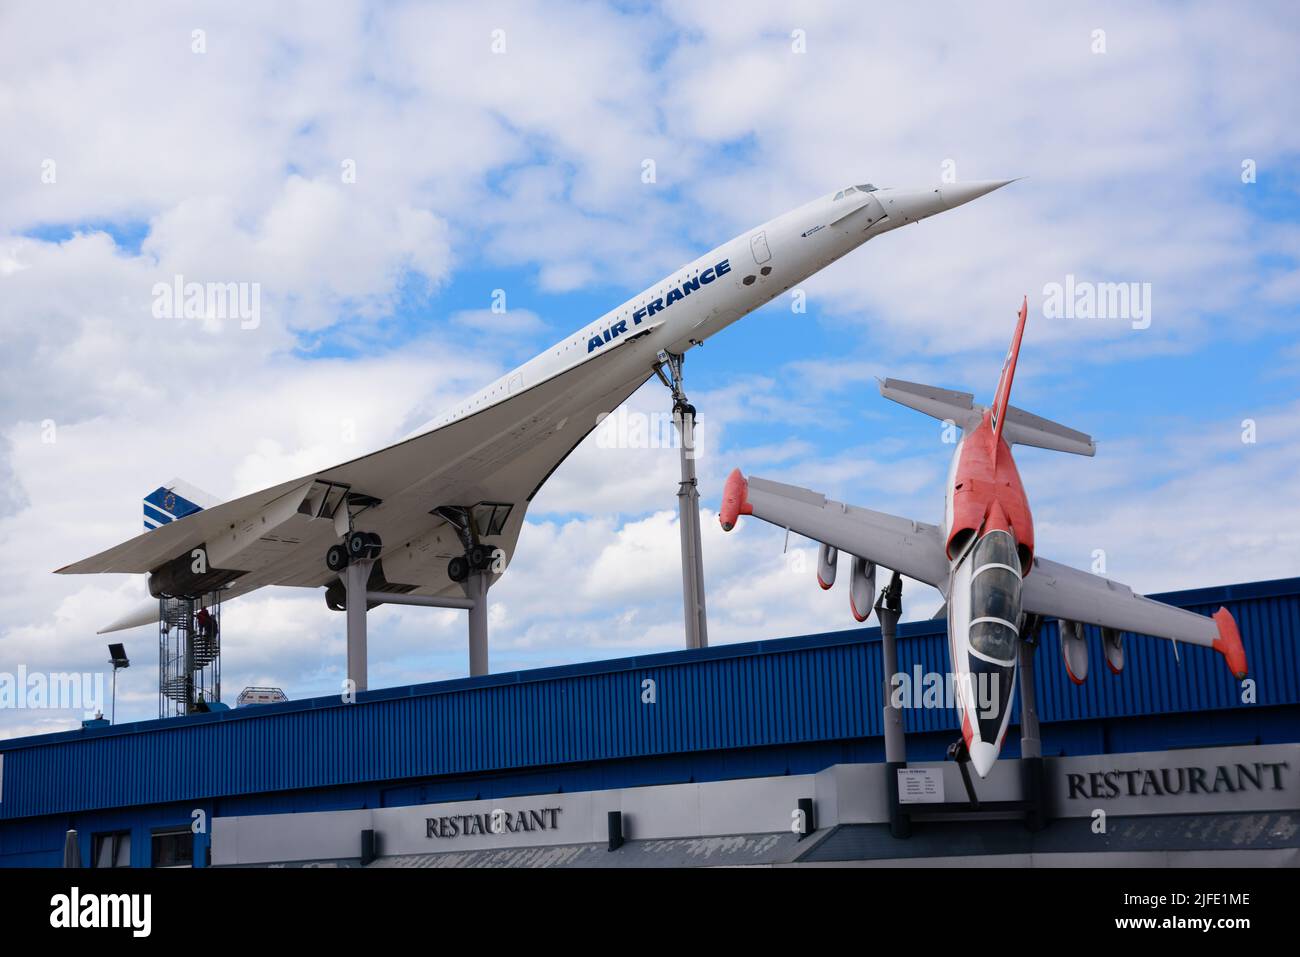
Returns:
point(982, 558)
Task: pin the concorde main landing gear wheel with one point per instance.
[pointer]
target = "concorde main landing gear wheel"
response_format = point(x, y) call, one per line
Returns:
point(336, 559)
point(477, 558)
point(362, 545)
point(354, 548)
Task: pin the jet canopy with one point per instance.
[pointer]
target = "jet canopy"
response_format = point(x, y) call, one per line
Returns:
point(995, 596)
point(864, 188)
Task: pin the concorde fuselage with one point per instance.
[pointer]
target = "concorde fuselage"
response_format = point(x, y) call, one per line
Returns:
point(705, 296)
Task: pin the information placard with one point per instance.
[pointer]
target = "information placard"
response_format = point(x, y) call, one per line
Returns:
point(920, 786)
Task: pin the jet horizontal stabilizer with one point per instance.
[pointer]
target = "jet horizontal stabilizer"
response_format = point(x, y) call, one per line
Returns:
point(960, 408)
point(1025, 428)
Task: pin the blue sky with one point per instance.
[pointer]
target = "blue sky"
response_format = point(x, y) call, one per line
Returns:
point(522, 171)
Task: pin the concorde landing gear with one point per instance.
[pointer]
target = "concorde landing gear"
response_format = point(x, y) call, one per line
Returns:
point(355, 547)
point(362, 585)
point(472, 571)
point(477, 558)
point(352, 560)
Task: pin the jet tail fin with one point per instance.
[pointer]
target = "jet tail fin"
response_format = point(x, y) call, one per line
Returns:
point(172, 500)
point(1002, 396)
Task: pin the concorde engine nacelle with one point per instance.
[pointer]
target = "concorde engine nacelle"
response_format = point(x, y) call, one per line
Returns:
point(189, 574)
point(828, 560)
point(862, 588)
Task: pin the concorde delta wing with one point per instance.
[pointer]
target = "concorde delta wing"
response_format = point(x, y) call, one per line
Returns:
point(497, 457)
point(913, 548)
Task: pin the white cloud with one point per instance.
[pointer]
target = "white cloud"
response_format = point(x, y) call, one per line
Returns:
point(512, 323)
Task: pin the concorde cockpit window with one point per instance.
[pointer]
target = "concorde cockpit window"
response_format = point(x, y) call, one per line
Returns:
point(849, 190)
point(868, 188)
point(838, 196)
point(995, 596)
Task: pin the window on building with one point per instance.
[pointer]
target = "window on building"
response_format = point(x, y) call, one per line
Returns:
point(111, 850)
point(173, 847)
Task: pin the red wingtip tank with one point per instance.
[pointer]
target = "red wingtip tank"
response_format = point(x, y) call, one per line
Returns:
point(735, 500)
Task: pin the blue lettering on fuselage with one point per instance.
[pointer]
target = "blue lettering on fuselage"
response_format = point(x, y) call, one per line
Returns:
point(659, 304)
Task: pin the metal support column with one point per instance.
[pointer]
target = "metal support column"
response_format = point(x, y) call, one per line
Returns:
point(688, 506)
point(1031, 745)
point(889, 606)
point(476, 589)
point(355, 577)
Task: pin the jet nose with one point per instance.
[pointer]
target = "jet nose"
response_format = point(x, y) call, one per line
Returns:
point(903, 206)
point(983, 756)
point(958, 194)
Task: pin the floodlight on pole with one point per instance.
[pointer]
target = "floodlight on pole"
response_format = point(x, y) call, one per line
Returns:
point(118, 659)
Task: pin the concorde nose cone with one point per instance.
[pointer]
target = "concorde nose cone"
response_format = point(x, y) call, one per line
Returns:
point(145, 614)
point(982, 757)
point(958, 194)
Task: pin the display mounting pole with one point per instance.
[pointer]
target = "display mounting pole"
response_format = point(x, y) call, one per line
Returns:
point(355, 577)
point(1031, 745)
point(688, 505)
point(889, 607)
point(476, 589)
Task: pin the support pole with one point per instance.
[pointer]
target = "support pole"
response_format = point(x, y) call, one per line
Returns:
point(889, 606)
point(688, 507)
point(1031, 745)
point(476, 589)
point(355, 577)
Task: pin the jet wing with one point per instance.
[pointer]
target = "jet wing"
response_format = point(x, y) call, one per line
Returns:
point(500, 454)
point(1058, 591)
point(913, 548)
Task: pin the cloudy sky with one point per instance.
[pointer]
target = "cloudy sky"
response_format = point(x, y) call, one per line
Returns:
point(379, 170)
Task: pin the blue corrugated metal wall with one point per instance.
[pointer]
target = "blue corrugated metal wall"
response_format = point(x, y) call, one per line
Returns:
point(822, 688)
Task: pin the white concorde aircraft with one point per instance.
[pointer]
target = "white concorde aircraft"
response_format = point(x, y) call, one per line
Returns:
point(434, 507)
